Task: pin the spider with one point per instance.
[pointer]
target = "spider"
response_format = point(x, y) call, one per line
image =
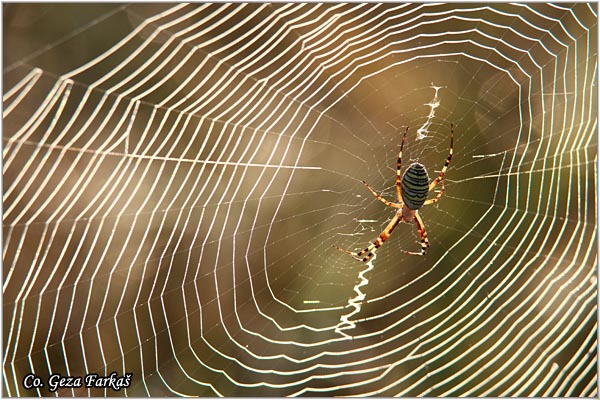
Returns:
point(412, 189)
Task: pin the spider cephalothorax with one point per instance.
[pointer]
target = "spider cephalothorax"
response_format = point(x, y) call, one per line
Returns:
point(412, 189)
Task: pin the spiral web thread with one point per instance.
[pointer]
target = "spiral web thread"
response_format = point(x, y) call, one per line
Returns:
point(171, 203)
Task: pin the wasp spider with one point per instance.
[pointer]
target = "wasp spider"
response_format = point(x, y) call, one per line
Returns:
point(412, 189)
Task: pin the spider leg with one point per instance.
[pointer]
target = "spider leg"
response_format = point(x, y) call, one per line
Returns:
point(436, 198)
point(423, 234)
point(380, 198)
point(370, 250)
point(399, 165)
point(443, 172)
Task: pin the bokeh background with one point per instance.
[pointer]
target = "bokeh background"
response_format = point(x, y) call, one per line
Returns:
point(175, 178)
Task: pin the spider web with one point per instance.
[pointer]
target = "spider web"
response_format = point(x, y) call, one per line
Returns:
point(176, 176)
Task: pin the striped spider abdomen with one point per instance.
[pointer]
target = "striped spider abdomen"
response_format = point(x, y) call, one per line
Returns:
point(415, 186)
